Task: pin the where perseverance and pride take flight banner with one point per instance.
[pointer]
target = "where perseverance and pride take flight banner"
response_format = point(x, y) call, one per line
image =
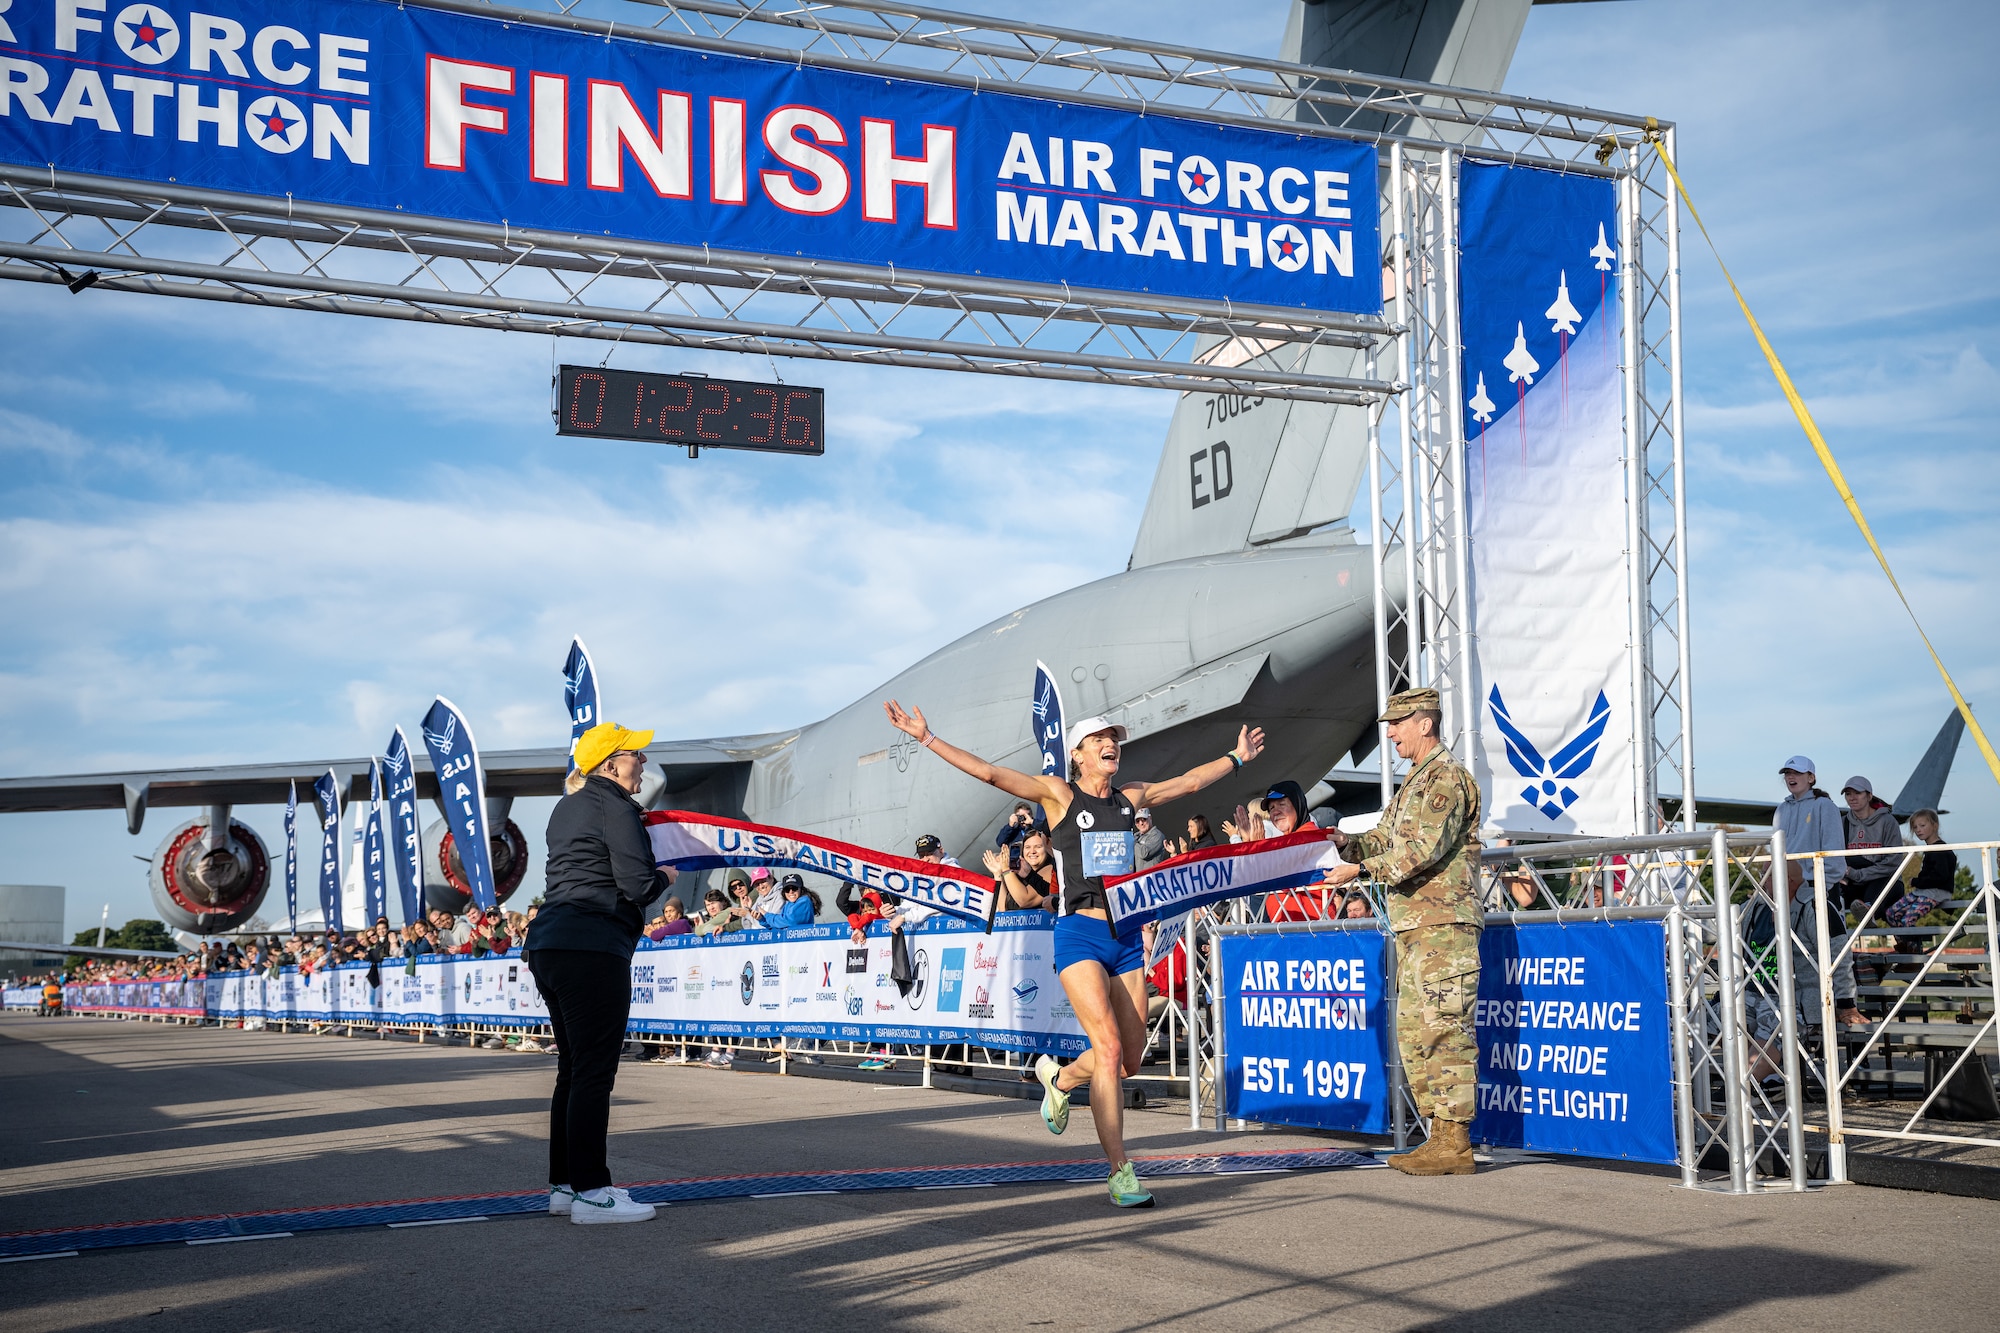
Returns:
point(397, 107)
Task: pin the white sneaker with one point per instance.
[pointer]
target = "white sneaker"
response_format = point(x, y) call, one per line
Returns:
point(610, 1204)
point(560, 1198)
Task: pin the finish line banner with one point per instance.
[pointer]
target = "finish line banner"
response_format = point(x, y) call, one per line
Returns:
point(1195, 879)
point(1574, 1051)
point(688, 841)
point(401, 108)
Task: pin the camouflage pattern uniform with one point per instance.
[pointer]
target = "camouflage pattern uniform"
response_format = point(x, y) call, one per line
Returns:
point(1425, 854)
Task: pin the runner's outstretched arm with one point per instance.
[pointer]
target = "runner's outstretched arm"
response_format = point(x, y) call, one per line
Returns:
point(1249, 744)
point(1053, 795)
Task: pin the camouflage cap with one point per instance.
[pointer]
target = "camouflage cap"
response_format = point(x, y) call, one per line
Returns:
point(1408, 702)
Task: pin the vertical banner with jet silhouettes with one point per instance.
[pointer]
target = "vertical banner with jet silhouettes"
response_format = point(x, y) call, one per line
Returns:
point(1545, 488)
point(292, 858)
point(326, 792)
point(405, 836)
point(462, 794)
point(1049, 723)
point(579, 693)
point(375, 875)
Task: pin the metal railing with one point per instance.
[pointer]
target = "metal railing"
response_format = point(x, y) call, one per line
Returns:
point(1956, 962)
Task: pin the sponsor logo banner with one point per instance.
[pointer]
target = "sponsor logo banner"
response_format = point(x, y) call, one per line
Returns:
point(396, 107)
point(751, 984)
point(689, 841)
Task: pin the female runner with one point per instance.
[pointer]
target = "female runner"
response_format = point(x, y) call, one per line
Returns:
point(1091, 826)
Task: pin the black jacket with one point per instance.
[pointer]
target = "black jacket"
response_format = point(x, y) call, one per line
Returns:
point(600, 874)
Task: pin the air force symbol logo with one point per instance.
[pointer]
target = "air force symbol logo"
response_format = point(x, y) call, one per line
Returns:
point(444, 738)
point(1547, 790)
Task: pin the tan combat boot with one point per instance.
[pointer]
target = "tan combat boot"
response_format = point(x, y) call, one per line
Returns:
point(1447, 1152)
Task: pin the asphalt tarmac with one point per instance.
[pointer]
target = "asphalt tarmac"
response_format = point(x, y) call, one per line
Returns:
point(114, 1121)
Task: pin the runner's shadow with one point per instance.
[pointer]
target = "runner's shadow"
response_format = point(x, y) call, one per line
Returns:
point(1677, 1290)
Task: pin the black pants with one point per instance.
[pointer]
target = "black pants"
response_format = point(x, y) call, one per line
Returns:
point(589, 997)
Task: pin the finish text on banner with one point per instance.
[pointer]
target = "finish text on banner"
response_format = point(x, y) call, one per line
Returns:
point(401, 108)
point(1573, 1042)
point(1305, 1029)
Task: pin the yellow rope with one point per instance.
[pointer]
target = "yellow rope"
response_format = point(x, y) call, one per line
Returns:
point(1833, 472)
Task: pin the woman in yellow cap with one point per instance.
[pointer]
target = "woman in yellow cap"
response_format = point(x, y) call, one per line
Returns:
point(601, 879)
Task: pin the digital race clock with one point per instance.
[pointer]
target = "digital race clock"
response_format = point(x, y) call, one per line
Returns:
point(698, 411)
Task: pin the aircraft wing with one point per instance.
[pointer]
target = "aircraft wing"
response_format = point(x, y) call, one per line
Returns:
point(686, 768)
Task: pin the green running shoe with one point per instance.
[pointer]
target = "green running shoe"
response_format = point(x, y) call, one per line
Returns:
point(1125, 1191)
point(1055, 1102)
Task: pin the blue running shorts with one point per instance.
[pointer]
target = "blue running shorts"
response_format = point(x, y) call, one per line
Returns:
point(1089, 937)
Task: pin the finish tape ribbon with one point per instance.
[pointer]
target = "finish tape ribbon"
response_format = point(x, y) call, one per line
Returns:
point(689, 841)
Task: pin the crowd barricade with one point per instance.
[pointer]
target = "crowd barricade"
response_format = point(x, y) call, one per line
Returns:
point(175, 997)
point(1927, 994)
point(996, 992)
point(20, 997)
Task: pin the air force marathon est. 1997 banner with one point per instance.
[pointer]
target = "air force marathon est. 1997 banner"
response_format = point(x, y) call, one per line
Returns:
point(1571, 1020)
point(1545, 481)
point(398, 107)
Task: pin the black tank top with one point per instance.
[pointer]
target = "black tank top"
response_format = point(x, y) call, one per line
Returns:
point(1093, 839)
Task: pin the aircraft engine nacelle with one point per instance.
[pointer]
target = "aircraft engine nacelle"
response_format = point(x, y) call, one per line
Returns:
point(209, 886)
point(445, 886)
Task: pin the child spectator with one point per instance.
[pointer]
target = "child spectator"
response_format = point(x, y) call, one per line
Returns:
point(861, 913)
point(1936, 879)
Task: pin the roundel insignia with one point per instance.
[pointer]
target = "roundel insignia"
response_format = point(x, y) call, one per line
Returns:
point(275, 125)
point(1084, 819)
point(1438, 800)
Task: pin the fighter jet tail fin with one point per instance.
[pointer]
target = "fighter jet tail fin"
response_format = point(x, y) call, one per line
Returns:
point(1926, 785)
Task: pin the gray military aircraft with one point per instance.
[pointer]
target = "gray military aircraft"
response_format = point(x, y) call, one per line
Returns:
point(1247, 600)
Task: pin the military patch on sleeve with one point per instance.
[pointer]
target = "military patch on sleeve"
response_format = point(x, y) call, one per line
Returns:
point(1439, 800)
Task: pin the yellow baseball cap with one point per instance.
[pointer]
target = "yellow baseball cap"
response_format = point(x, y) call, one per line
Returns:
point(604, 740)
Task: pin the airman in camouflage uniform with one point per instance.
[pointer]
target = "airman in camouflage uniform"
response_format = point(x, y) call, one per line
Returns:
point(1424, 852)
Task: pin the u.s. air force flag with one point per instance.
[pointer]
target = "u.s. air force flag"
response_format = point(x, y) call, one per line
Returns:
point(1546, 502)
point(1049, 724)
point(1183, 883)
point(405, 837)
point(375, 875)
point(462, 794)
point(579, 692)
point(292, 858)
point(688, 841)
point(326, 792)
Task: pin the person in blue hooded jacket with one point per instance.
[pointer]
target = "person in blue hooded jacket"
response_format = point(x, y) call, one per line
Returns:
point(800, 907)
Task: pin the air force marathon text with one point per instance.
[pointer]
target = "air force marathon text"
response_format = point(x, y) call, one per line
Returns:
point(400, 108)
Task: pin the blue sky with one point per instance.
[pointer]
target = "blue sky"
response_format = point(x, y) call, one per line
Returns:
point(218, 527)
